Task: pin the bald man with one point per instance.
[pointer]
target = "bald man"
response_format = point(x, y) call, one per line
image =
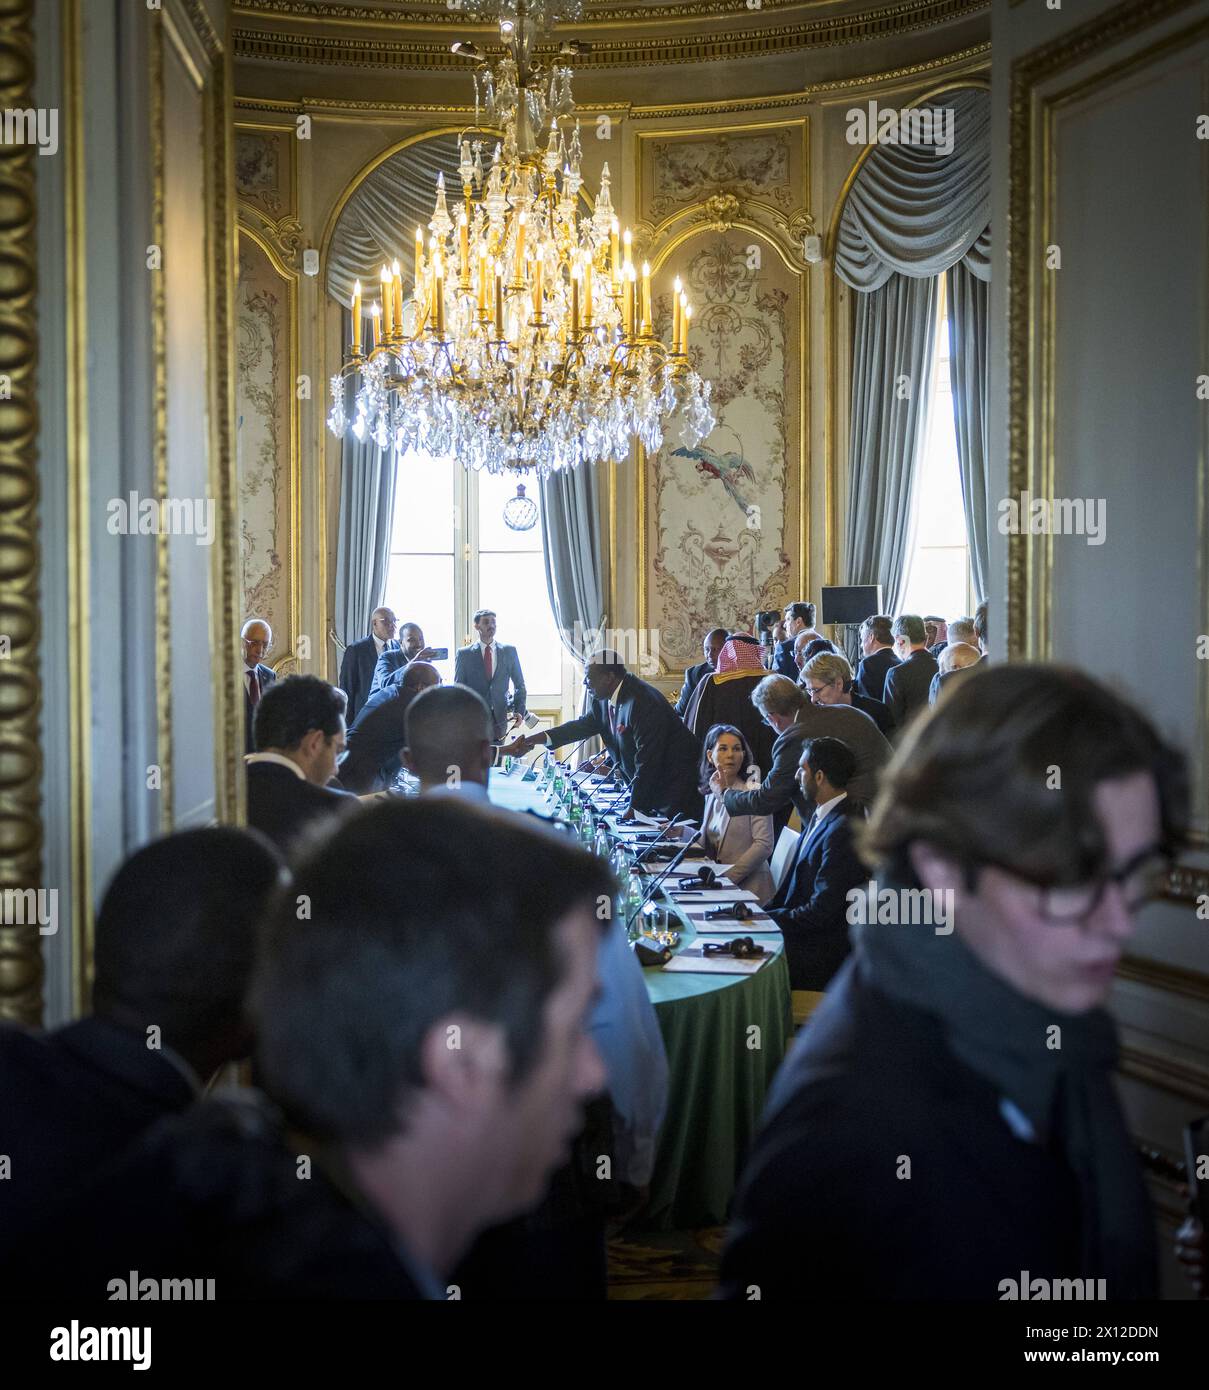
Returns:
point(256, 637)
point(375, 742)
point(449, 734)
point(956, 657)
point(360, 658)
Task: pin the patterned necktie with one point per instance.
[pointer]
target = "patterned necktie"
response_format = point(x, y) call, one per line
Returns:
point(487, 666)
point(254, 686)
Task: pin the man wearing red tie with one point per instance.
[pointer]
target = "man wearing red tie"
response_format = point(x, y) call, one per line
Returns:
point(487, 667)
point(257, 640)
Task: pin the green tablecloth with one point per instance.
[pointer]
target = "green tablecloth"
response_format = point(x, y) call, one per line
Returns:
point(725, 1036)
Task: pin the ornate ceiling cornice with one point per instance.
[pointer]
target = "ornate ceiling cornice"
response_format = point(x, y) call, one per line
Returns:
point(278, 45)
point(964, 63)
point(420, 16)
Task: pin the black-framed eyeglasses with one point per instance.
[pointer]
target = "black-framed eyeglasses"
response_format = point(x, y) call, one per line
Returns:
point(1140, 881)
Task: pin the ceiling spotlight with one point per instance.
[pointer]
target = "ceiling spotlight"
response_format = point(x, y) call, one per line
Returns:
point(507, 26)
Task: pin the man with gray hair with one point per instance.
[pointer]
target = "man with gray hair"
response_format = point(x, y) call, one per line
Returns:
point(908, 683)
point(786, 709)
point(956, 657)
point(962, 630)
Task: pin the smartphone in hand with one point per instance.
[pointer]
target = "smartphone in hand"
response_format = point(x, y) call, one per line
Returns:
point(440, 653)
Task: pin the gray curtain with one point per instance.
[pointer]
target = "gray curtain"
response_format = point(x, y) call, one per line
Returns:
point(367, 500)
point(916, 211)
point(378, 223)
point(894, 342)
point(969, 328)
point(574, 574)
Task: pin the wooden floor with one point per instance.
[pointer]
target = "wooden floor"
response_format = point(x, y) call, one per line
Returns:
point(662, 1265)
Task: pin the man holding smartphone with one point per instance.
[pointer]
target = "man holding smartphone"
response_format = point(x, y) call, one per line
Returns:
point(488, 667)
point(392, 664)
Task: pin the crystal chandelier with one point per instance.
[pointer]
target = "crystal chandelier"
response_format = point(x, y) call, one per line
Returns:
point(526, 338)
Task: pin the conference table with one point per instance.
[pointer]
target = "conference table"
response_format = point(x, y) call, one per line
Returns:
point(725, 1035)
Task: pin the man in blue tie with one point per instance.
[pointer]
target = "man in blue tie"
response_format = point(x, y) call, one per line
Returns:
point(811, 904)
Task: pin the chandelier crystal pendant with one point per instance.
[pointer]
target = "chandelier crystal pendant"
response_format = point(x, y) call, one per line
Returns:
point(526, 339)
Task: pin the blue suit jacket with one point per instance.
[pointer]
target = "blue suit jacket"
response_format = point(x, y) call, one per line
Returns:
point(357, 672)
point(468, 669)
point(811, 904)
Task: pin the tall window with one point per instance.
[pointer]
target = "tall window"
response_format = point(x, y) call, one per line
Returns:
point(451, 554)
point(938, 576)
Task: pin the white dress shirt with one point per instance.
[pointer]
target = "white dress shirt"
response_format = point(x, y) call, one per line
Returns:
point(824, 810)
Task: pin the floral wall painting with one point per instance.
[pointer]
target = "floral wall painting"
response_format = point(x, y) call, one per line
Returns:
point(723, 518)
point(263, 441)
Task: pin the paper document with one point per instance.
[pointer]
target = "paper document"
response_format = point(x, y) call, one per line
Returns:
point(691, 960)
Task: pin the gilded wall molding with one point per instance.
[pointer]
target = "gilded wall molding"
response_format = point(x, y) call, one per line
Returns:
point(21, 969)
point(283, 237)
point(278, 46)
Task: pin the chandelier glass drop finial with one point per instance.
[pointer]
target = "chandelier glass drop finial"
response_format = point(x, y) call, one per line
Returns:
point(522, 336)
point(520, 512)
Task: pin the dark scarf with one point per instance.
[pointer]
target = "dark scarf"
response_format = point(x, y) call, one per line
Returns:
point(1065, 1092)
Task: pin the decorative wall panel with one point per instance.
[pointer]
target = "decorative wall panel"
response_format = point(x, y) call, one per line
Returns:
point(265, 440)
point(724, 515)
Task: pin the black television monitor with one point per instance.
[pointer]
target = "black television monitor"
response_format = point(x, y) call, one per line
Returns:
point(850, 603)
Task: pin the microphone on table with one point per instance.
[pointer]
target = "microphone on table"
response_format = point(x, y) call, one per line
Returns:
point(656, 885)
point(663, 834)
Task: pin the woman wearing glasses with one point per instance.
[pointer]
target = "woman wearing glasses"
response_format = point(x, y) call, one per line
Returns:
point(947, 1127)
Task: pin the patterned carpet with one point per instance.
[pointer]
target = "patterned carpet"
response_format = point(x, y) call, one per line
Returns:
point(660, 1265)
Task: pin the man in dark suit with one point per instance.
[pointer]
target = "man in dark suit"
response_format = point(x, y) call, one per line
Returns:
point(257, 640)
point(908, 683)
point(488, 667)
point(300, 734)
point(811, 904)
point(785, 707)
point(956, 657)
point(408, 1146)
point(937, 632)
point(392, 663)
point(371, 760)
point(799, 617)
point(877, 656)
point(647, 742)
point(175, 944)
point(360, 659)
point(714, 641)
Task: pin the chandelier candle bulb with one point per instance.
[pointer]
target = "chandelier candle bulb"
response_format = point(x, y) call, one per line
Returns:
point(588, 291)
point(386, 301)
point(499, 299)
point(356, 318)
point(575, 303)
point(688, 314)
point(438, 283)
point(520, 247)
point(631, 301)
point(419, 257)
point(537, 285)
point(464, 250)
point(397, 298)
point(615, 260)
point(676, 315)
point(375, 319)
point(646, 299)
